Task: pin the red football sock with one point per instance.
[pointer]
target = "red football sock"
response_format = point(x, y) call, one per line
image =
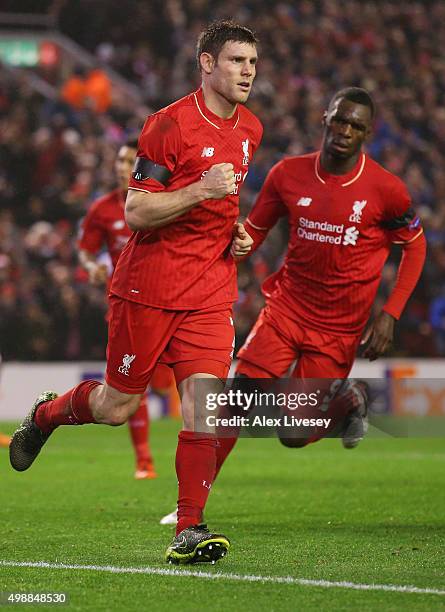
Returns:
point(223, 449)
point(71, 408)
point(227, 438)
point(138, 425)
point(195, 468)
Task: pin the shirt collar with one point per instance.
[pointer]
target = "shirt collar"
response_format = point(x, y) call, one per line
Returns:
point(215, 120)
point(343, 179)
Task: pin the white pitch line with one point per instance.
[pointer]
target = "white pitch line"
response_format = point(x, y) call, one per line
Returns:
point(157, 571)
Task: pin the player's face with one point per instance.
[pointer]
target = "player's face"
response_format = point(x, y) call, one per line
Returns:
point(233, 73)
point(348, 126)
point(124, 165)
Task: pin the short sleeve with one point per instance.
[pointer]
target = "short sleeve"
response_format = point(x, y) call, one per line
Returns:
point(159, 147)
point(91, 235)
point(269, 206)
point(400, 219)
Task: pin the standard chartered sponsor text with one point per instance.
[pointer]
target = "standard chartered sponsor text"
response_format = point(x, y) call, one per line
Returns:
point(305, 225)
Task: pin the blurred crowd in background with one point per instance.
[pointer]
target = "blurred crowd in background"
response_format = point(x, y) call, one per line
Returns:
point(56, 156)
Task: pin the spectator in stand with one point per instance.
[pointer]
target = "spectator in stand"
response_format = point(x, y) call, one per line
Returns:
point(73, 91)
point(98, 91)
point(391, 48)
point(87, 90)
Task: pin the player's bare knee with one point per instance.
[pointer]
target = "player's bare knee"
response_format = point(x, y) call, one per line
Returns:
point(194, 392)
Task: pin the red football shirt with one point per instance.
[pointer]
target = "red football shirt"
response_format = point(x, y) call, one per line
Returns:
point(186, 264)
point(341, 229)
point(104, 223)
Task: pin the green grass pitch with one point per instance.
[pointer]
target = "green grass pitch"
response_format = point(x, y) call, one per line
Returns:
point(374, 515)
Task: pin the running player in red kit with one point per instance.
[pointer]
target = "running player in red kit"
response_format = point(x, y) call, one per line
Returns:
point(175, 281)
point(104, 224)
point(344, 211)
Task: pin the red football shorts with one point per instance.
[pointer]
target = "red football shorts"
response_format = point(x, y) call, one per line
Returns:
point(190, 342)
point(162, 378)
point(276, 342)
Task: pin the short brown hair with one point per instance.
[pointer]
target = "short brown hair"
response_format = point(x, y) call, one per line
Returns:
point(213, 38)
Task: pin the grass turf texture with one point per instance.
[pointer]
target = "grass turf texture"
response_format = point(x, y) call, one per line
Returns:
point(371, 516)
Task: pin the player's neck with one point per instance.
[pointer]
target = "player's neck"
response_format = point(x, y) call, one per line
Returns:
point(336, 166)
point(217, 104)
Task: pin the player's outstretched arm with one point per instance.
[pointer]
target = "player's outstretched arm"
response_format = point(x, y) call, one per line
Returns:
point(381, 332)
point(145, 210)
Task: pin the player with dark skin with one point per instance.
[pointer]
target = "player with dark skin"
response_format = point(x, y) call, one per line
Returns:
point(348, 126)
point(318, 303)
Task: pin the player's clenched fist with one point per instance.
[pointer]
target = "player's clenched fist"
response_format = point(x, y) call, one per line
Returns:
point(219, 181)
point(242, 243)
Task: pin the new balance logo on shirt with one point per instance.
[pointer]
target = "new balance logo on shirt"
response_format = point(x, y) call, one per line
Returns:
point(304, 202)
point(208, 152)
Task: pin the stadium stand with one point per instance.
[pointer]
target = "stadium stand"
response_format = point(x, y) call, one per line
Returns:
point(56, 158)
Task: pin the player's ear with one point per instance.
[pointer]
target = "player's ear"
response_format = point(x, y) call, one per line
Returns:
point(207, 62)
point(325, 117)
point(369, 134)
